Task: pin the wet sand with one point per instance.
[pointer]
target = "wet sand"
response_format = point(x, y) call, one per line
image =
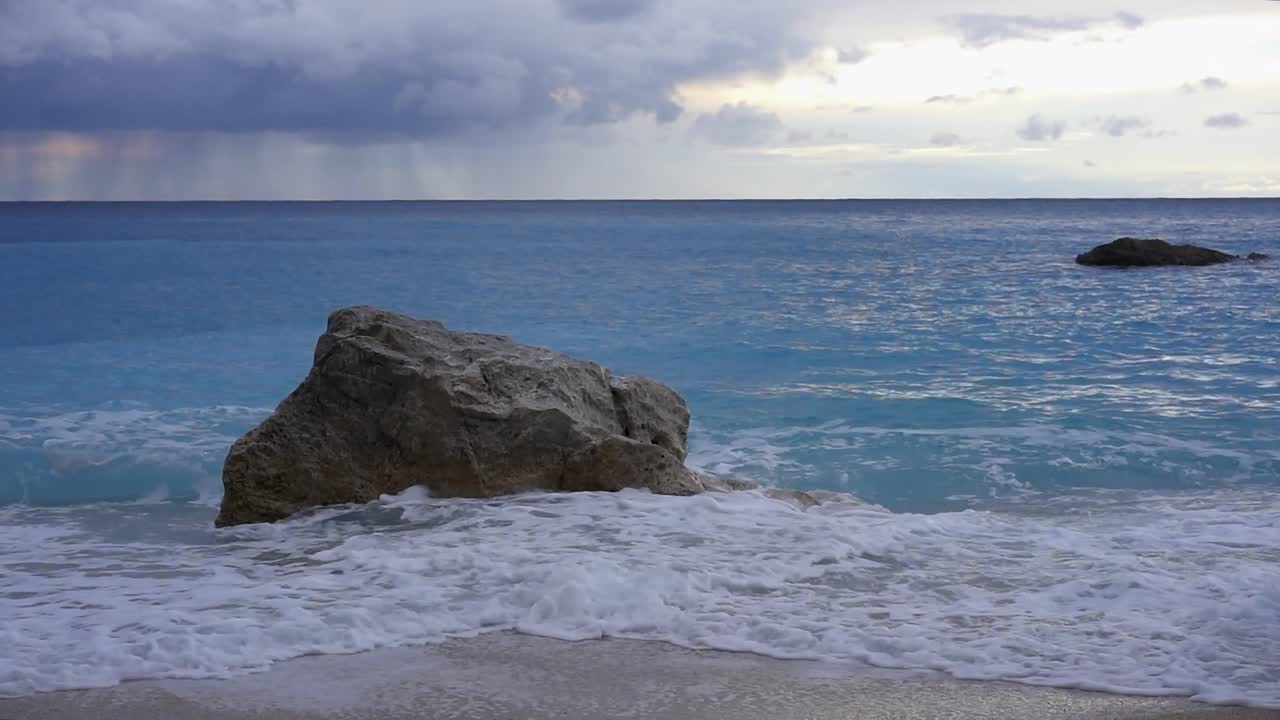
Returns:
point(516, 676)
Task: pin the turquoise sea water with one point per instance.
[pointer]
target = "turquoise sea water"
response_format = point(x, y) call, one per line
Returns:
point(945, 360)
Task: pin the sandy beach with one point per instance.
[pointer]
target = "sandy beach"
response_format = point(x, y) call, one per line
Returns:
point(517, 676)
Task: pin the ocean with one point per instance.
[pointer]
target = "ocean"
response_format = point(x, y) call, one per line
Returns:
point(1071, 475)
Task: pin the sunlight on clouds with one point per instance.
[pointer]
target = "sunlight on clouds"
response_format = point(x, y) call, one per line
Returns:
point(1097, 62)
point(1245, 186)
point(834, 149)
point(869, 151)
point(951, 152)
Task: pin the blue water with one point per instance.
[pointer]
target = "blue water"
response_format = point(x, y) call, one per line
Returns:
point(977, 358)
point(944, 359)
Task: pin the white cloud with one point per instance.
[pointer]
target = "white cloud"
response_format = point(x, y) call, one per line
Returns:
point(851, 56)
point(1209, 82)
point(1121, 125)
point(739, 125)
point(1038, 129)
point(945, 139)
point(980, 30)
point(1226, 120)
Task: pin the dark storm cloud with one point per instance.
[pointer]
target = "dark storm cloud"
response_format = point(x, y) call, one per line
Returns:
point(979, 30)
point(741, 125)
point(210, 93)
point(1226, 121)
point(604, 10)
point(1038, 129)
point(350, 72)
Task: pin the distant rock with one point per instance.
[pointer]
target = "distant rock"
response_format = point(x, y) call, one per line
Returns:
point(1257, 257)
point(1132, 252)
point(392, 402)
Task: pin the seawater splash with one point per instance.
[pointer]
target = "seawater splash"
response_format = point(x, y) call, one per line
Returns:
point(1178, 599)
point(51, 458)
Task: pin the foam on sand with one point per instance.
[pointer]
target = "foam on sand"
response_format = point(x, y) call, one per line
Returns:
point(507, 675)
point(1179, 599)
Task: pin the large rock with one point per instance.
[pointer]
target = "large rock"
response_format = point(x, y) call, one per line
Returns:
point(392, 402)
point(1132, 252)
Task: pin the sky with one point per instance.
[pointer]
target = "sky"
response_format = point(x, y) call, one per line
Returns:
point(491, 99)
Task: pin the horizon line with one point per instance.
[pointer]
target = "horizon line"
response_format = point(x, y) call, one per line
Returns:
point(640, 200)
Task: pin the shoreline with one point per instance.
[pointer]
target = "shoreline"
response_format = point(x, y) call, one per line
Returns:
point(521, 676)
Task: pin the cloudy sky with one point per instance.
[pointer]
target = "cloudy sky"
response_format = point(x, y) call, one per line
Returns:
point(319, 99)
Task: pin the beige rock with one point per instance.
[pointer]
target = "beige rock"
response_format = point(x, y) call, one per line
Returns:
point(392, 402)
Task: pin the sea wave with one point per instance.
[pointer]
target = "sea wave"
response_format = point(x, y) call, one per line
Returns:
point(932, 468)
point(1162, 594)
point(138, 453)
point(117, 453)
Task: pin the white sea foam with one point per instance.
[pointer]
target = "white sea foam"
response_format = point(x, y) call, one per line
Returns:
point(97, 437)
point(996, 459)
point(1174, 594)
point(117, 453)
point(93, 454)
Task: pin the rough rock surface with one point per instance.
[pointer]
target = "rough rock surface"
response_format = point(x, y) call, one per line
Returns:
point(392, 402)
point(1132, 252)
